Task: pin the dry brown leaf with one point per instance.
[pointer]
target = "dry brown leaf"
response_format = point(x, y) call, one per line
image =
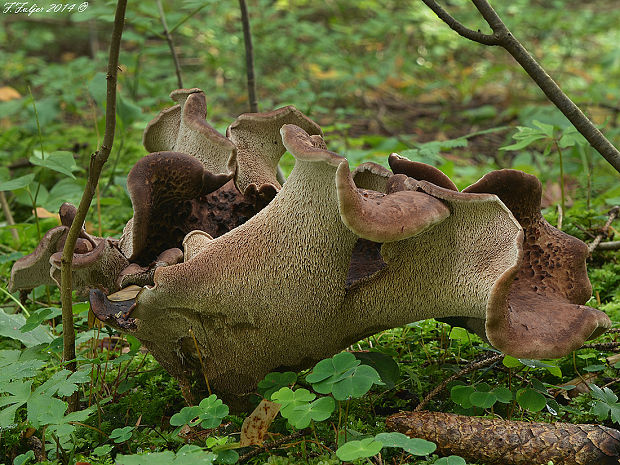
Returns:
point(43, 213)
point(8, 93)
point(256, 425)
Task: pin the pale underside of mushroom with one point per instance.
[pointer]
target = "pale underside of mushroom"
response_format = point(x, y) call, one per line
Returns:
point(267, 270)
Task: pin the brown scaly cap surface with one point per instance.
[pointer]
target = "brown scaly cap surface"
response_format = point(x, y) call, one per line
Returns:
point(544, 315)
point(259, 145)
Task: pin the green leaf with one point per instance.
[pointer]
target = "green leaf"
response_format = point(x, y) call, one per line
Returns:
point(604, 395)
point(615, 413)
point(19, 393)
point(16, 183)
point(357, 383)
point(503, 394)
point(63, 383)
point(45, 410)
point(483, 399)
point(601, 410)
point(9, 327)
point(193, 455)
point(227, 456)
point(594, 368)
point(127, 112)
point(60, 161)
point(275, 381)
point(461, 395)
point(343, 377)
point(531, 399)
point(153, 458)
point(39, 316)
point(289, 400)
point(319, 410)
point(414, 446)
point(19, 370)
point(213, 410)
point(354, 450)
point(186, 416)
point(98, 89)
point(384, 365)
point(451, 460)
point(102, 450)
point(511, 362)
point(122, 434)
point(459, 334)
point(66, 190)
point(23, 458)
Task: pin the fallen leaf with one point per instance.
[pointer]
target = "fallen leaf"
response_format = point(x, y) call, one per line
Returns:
point(8, 93)
point(256, 425)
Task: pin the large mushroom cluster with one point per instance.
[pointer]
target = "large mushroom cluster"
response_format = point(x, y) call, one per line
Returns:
point(277, 275)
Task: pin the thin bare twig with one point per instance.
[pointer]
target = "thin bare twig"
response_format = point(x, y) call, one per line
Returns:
point(9, 217)
point(97, 160)
point(168, 35)
point(272, 445)
point(504, 38)
point(249, 56)
point(613, 214)
point(473, 366)
point(613, 245)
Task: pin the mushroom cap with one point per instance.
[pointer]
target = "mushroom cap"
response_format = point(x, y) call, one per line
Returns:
point(259, 145)
point(542, 314)
point(420, 171)
point(182, 128)
point(160, 185)
point(389, 217)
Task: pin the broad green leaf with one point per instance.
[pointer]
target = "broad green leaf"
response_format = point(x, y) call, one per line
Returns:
point(503, 394)
point(45, 410)
point(66, 190)
point(16, 183)
point(332, 367)
point(483, 399)
point(102, 450)
point(615, 413)
point(39, 316)
point(459, 334)
point(354, 450)
point(98, 89)
point(10, 327)
point(511, 362)
point(127, 112)
point(213, 410)
point(319, 410)
point(461, 395)
point(357, 383)
point(227, 456)
point(414, 446)
point(19, 370)
point(60, 161)
point(388, 369)
point(19, 393)
point(601, 410)
point(531, 399)
point(63, 383)
point(275, 381)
